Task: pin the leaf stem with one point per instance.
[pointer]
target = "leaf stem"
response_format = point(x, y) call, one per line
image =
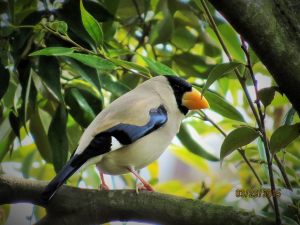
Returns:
point(263, 131)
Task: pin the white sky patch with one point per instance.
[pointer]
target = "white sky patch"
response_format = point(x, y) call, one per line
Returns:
point(219, 16)
point(149, 15)
point(169, 48)
point(10, 169)
point(240, 97)
point(41, 6)
point(27, 140)
point(244, 114)
point(133, 70)
point(214, 116)
point(262, 82)
point(160, 46)
point(138, 33)
point(224, 58)
point(82, 184)
point(199, 139)
point(144, 53)
point(84, 174)
point(229, 97)
point(36, 164)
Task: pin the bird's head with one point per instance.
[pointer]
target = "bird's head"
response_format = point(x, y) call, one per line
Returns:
point(187, 97)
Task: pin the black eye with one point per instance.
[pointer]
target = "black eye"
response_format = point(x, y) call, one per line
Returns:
point(178, 88)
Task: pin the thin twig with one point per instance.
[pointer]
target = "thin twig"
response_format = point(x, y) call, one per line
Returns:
point(264, 135)
point(240, 78)
point(240, 150)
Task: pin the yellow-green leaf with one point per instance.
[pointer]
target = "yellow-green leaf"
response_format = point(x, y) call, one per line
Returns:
point(158, 67)
point(131, 66)
point(93, 61)
point(190, 158)
point(53, 51)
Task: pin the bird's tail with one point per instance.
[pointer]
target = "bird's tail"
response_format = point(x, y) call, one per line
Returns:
point(66, 172)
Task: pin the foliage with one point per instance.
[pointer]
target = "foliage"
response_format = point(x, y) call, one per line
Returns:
point(62, 63)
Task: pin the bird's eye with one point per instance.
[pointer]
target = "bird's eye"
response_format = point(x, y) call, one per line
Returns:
point(178, 88)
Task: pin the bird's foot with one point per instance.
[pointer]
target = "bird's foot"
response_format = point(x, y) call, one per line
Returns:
point(103, 187)
point(143, 187)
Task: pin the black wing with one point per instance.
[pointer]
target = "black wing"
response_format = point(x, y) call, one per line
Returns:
point(125, 134)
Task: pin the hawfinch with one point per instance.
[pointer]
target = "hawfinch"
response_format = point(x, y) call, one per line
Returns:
point(133, 131)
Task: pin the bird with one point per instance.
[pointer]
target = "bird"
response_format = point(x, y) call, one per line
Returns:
point(131, 132)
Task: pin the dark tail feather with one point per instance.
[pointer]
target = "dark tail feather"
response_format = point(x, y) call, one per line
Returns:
point(66, 172)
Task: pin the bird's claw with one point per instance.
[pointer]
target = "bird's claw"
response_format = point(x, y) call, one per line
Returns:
point(103, 187)
point(143, 187)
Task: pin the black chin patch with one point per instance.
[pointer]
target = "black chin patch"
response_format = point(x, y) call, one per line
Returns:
point(179, 86)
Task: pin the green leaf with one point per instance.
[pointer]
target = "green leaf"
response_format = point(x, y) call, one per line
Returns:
point(283, 136)
point(6, 144)
point(49, 70)
point(39, 125)
point(4, 77)
point(91, 25)
point(5, 128)
point(222, 106)
point(15, 124)
point(53, 26)
point(266, 95)
point(237, 139)
point(292, 173)
point(285, 219)
point(83, 105)
point(112, 86)
point(158, 67)
point(63, 27)
point(253, 57)
point(53, 51)
point(58, 139)
point(289, 117)
point(218, 71)
point(262, 155)
point(131, 66)
point(192, 145)
point(93, 61)
point(11, 8)
point(27, 164)
point(88, 73)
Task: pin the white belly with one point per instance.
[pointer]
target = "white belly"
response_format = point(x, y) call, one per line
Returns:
point(138, 154)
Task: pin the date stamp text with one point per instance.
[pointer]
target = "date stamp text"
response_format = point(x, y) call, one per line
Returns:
point(255, 193)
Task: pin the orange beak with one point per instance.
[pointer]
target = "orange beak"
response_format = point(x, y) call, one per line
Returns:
point(192, 100)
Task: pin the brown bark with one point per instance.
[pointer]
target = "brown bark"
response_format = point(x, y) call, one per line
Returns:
point(74, 206)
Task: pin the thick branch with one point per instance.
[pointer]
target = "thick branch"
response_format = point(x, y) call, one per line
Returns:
point(73, 206)
point(272, 28)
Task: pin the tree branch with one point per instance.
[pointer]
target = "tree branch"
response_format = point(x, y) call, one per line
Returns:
point(74, 206)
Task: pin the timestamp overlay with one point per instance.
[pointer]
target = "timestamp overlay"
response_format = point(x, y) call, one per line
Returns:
point(257, 193)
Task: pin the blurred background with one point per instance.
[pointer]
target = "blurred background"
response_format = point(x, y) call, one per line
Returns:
point(179, 36)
